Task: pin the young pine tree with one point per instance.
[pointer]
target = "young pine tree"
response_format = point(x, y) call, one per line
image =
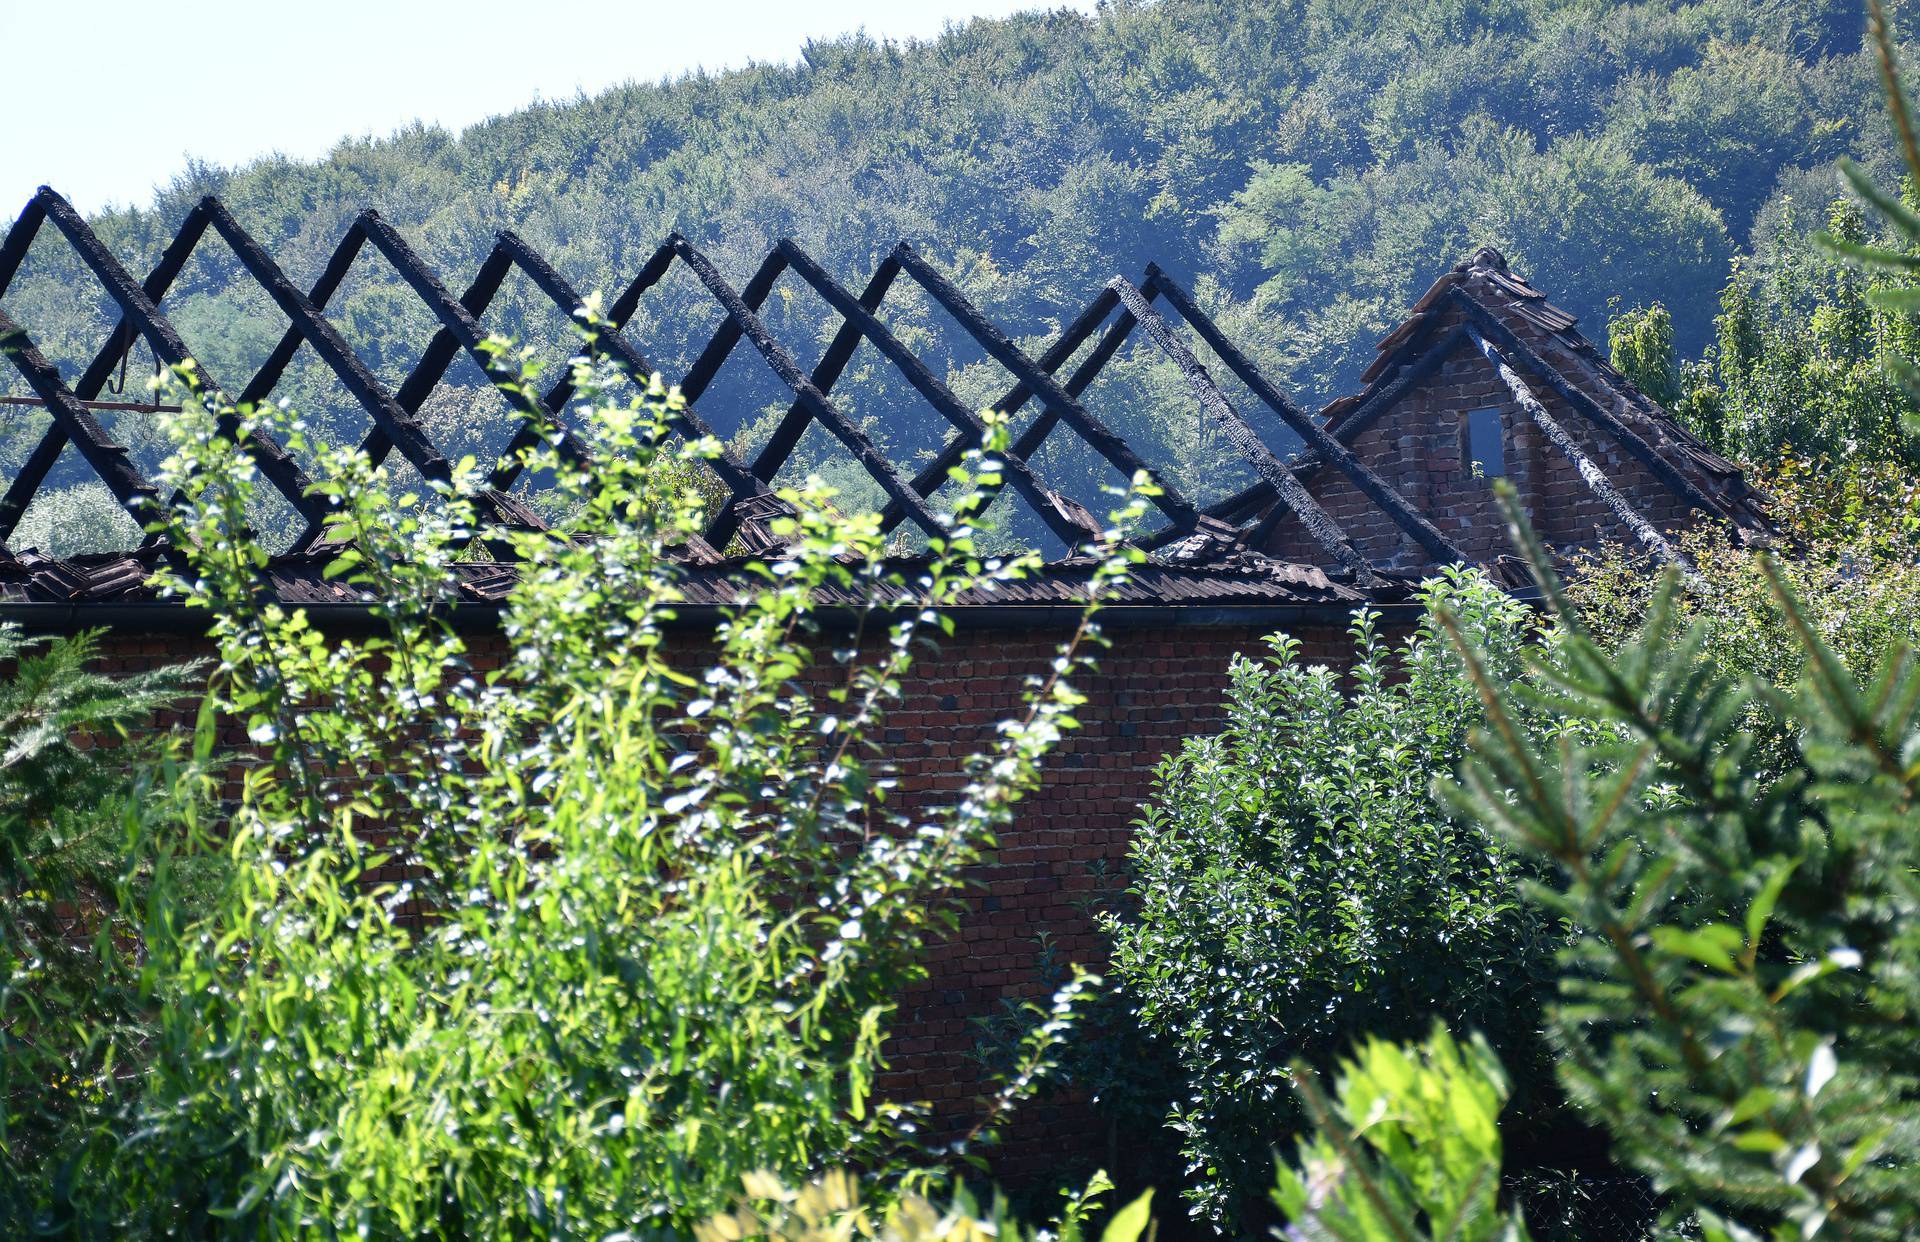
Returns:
point(1737, 1005)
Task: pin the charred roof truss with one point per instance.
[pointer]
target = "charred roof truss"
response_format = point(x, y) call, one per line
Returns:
point(1233, 528)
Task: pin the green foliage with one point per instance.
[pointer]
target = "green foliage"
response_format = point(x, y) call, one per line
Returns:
point(1897, 259)
point(1641, 343)
point(562, 949)
point(1853, 531)
point(73, 763)
point(1803, 355)
point(1872, 508)
point(1297, 887)
point(1408, 1148)
point(1729, 809)
point(1800, 363)
point(1341, 258)
point(1737, 1002)
point(1813, 356)
point(73, 521)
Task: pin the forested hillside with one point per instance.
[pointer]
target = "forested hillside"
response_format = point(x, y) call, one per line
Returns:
point(1310, 165)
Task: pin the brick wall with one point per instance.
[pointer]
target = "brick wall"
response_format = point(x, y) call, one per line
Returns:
point(1160, 682)
point(1154, 688)
point(1156, 685)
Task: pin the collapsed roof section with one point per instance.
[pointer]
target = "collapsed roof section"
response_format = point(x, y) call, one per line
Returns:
point(1238, 580)
point(1211, 556)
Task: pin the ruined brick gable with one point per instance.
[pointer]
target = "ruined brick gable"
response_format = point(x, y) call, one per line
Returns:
point(1384, 492)
point(1412, 425)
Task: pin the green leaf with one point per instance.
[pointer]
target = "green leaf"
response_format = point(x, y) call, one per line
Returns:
point(1130, 1221)
point(1760, 1141)
point(1756, 1101)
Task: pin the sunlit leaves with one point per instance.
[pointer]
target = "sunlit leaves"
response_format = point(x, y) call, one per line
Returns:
point(1296, 886)
point(1744, 947)
point(562, 947)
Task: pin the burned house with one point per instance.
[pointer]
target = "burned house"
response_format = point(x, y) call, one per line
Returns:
point(1485, 378)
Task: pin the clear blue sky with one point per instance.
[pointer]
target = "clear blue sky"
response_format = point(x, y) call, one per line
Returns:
point(107, 99)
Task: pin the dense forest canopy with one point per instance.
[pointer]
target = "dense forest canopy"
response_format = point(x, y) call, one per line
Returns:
point(1310, 166)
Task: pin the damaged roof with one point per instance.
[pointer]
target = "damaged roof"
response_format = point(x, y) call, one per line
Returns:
point(1242, 580)
point(1197, 557)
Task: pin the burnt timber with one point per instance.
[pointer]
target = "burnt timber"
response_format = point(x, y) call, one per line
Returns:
point(1233, 554)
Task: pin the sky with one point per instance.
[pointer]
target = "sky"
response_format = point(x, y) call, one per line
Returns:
point(108, 99)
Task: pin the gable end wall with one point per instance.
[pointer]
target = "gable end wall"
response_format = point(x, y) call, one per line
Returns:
point(1418, 447)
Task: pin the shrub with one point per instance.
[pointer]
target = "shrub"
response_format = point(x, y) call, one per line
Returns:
point(830, 1209)
point(1853, 566)
point(656, 901)
point(1407, 1148)
point(1737, 1001)
point(1297, 887)
point(74, 760)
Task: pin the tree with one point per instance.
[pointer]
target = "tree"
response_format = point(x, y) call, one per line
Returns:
point(1325, 159)
point(1744, 951)
point(77, 758)
point(1800, 362)
point(1736, 998)
point(1641, 344)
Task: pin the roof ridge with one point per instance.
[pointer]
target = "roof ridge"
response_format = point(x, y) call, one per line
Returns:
point(1484, 257)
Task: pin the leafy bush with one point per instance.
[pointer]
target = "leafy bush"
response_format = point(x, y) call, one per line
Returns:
point(74, 760)
point(657, 900)
point(1735, 847)
point(1737, 999)
point(1869, 508)
point(1297, 887)
point(829, 1209)
point(1407, 1148)
point(1853, 566)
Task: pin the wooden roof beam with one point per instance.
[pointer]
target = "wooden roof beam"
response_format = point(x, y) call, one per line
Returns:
point(1369, 484)
point(1589, 471)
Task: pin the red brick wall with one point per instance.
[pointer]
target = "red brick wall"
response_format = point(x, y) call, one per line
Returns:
point(1419, 447)
point(1154, 687)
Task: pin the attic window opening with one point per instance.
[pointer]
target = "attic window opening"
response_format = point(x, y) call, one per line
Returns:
point(1486, 444)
